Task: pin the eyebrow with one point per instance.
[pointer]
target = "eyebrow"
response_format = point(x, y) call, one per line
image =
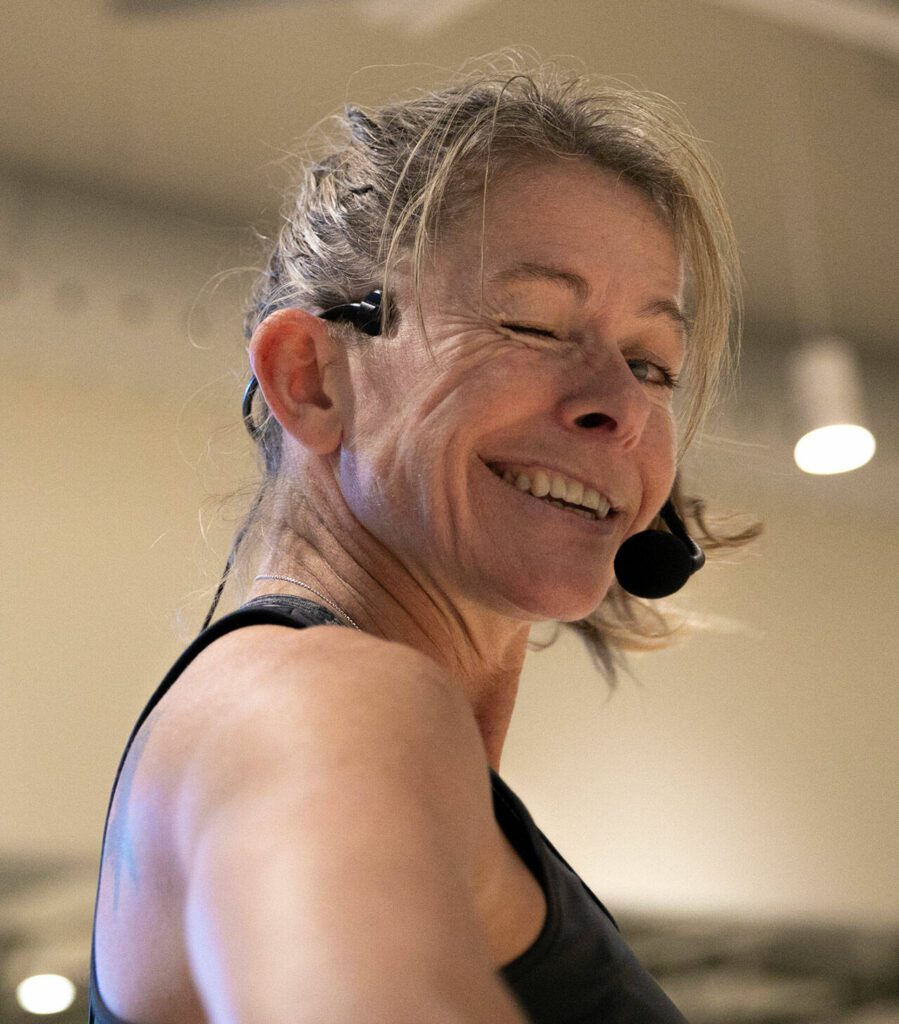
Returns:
point(568, 279)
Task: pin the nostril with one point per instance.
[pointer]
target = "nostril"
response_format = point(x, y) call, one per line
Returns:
point(596, 419)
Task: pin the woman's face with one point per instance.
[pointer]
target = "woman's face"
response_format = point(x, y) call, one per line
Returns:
point(567, 376)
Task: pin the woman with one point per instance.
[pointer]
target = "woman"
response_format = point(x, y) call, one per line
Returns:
point(467, 346)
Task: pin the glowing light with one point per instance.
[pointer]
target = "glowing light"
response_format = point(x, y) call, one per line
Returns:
point(828, 395)
point(45, 993)
point(837, 448)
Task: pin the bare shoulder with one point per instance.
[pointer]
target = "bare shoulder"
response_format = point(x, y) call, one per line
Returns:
point(320, 705)
point(367, 744)
point(256, 674)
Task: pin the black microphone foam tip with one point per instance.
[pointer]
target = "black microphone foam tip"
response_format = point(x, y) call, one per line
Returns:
point(652, 564)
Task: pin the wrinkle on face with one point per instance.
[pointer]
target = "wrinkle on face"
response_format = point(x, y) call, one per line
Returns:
point(425, 413)
point(413, 508)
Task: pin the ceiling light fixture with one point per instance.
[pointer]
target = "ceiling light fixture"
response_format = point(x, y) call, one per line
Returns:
point(828, 395)
point(823, 371)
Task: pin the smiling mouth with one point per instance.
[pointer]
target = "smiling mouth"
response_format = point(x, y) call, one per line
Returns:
point(563, 506)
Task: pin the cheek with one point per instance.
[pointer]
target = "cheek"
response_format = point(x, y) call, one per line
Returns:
point(375, 447)
point(399, 455)
point(660, 463)
point(669, 442)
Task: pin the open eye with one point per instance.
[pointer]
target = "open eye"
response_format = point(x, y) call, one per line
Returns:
point(654, 373)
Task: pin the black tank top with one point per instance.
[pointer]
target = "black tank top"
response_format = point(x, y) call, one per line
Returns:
point(579, 969)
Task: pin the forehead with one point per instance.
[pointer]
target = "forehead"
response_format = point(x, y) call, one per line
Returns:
point(566, 214)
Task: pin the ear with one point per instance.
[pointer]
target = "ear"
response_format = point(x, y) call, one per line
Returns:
point(297, 364)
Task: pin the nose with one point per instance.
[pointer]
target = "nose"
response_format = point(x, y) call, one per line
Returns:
point(613, 401)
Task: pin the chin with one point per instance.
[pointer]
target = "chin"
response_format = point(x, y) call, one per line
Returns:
point(555, 603)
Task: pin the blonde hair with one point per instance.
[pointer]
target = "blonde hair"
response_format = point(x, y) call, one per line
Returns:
point(380, 191)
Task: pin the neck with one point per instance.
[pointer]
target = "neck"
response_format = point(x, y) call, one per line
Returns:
point(482, 651)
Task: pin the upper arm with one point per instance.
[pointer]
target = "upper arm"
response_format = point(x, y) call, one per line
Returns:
point(329, 720)
point(336, 811)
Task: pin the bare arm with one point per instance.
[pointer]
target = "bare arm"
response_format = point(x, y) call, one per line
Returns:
point(331, 836)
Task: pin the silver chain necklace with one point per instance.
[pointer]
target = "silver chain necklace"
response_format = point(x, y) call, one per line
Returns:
point(290, 579)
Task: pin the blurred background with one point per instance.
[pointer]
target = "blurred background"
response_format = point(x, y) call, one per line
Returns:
point(735, 806)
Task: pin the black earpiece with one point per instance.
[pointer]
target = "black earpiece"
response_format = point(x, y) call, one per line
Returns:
point(366, 315)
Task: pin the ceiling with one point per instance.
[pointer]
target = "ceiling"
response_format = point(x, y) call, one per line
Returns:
point(196, 108)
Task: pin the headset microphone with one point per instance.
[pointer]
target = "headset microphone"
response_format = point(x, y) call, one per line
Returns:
point(654, 563)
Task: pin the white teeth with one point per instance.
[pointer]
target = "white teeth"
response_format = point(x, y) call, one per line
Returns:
point(553, 486)
point(540, 484)
point(593, 499)
point(575, 493)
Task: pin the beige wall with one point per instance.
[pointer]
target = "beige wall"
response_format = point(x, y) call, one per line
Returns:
point(755, 770)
